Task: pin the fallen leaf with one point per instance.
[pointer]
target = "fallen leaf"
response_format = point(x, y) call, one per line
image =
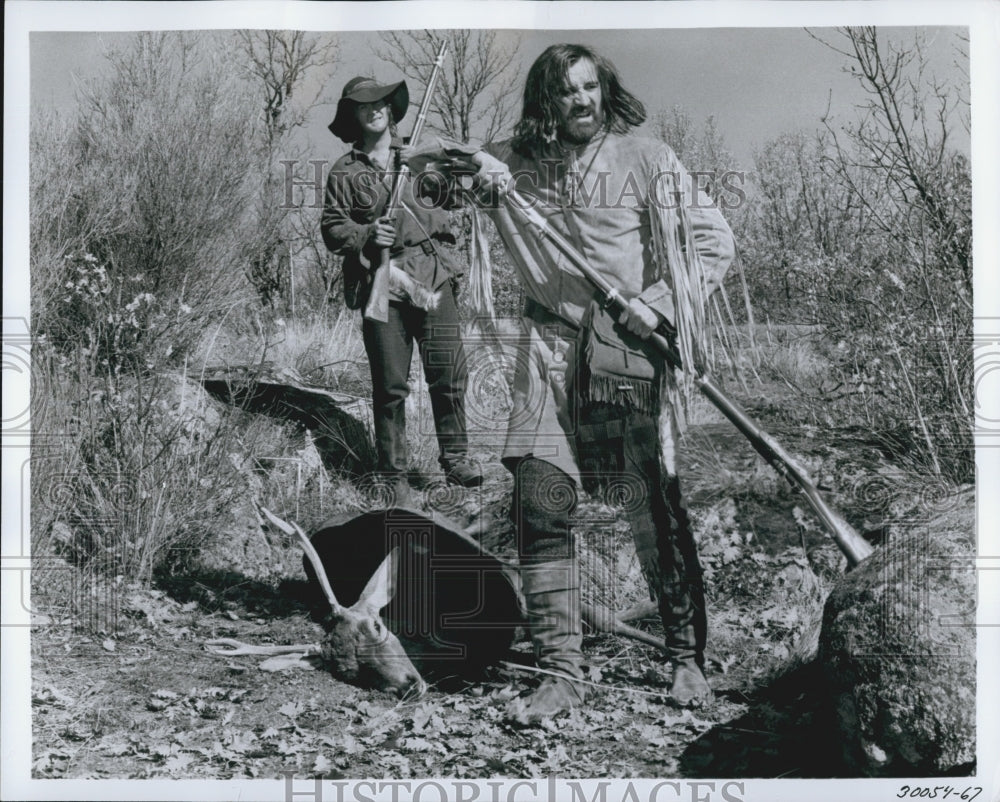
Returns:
point(557, 757)
point(422, 716)
point(215, 751)
point(46, 762)
point(689, 719)
point(290, 709)
point(321, 765)
point(108, 644)
point(653, 735)
point(730, 553)
point(286, 748)
point(241, 741)
point(178, 762)
point(51, 695)
point(417, 744)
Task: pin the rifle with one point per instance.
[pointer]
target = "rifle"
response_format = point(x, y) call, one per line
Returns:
point(854, 547)
point(378, 301)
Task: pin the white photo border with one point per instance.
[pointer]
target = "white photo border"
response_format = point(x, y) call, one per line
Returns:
point(21, 18)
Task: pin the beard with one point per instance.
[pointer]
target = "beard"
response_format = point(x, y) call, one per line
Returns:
point(577, 131)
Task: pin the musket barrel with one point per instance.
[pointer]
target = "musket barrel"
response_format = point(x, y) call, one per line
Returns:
point(853, 546)
point(377, 307)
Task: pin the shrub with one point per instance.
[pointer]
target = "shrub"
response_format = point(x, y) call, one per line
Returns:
point(136, 471)
point(138, 209)
point(865, 230)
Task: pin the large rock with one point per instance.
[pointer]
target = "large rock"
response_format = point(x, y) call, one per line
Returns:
point(341, 424)
point(898, 648)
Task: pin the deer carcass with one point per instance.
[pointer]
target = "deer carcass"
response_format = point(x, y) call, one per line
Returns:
point(454, 605)
point(358, 648)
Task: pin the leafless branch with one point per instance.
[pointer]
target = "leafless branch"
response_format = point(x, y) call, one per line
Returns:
point(478, 87)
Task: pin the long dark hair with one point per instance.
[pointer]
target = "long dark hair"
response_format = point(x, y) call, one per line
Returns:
point(547, 79)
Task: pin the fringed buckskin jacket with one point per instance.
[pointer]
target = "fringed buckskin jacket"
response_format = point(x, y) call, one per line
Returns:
point(633, 211)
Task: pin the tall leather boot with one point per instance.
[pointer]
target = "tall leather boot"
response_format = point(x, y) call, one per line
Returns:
point(688, 686)
point(668, 555)
point(682, 604)
point(552, 598)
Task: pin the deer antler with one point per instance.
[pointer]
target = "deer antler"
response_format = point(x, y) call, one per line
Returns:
point(230, 647)
point(601, 619)
point(307, 547)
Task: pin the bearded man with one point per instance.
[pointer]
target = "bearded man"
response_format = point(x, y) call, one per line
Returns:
point(630, 208)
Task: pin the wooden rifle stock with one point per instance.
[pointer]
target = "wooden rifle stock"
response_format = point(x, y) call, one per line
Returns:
point(377, 307)
point(854, 547)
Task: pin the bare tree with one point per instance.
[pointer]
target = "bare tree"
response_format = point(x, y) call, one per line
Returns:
point(904, 135)
point(800, 216)
point(279, 64)
point(478, 86)
point(279, 61)
point(703, 151)
point(898, 162)
point(676, 128)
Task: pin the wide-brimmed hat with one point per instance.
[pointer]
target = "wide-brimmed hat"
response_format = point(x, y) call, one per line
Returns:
point(367, 90)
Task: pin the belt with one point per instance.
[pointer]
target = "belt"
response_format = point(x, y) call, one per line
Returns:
point(601, 432)
point(545, 317)
point(426, 247)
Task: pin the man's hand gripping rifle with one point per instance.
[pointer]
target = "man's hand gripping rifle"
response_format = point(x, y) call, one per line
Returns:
point(853, 546)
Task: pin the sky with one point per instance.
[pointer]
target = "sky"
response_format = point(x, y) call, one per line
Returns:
point(757, 83)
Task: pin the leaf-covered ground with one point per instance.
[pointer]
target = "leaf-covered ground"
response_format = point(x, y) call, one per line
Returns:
point(133, 693)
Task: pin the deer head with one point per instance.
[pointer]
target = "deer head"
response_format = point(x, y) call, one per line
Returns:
point(359, 648)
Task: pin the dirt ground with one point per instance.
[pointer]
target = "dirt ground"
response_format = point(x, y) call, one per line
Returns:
point(135, 694)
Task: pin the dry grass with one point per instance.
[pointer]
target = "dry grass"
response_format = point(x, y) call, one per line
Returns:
point(150, 474)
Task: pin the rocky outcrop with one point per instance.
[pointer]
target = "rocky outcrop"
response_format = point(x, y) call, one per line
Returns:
point(898, 649)
point(341, 424)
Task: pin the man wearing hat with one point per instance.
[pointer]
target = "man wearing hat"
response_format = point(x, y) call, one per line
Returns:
point(422, 305)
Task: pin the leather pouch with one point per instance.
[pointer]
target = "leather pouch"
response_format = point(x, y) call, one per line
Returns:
point(616, 366)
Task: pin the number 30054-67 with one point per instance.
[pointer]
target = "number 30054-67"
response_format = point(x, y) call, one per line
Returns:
point(938, 792)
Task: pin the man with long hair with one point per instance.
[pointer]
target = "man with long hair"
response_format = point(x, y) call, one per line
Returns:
point(592, 400)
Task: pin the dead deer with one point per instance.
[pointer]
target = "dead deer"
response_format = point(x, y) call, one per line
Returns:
point(358, 648)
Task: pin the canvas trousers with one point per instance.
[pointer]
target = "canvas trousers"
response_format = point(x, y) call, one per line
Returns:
point(389, 347)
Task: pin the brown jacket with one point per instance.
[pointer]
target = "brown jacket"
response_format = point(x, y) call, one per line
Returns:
point(357, 192)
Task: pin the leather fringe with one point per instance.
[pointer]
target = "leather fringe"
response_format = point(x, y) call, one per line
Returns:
point(634, 394)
